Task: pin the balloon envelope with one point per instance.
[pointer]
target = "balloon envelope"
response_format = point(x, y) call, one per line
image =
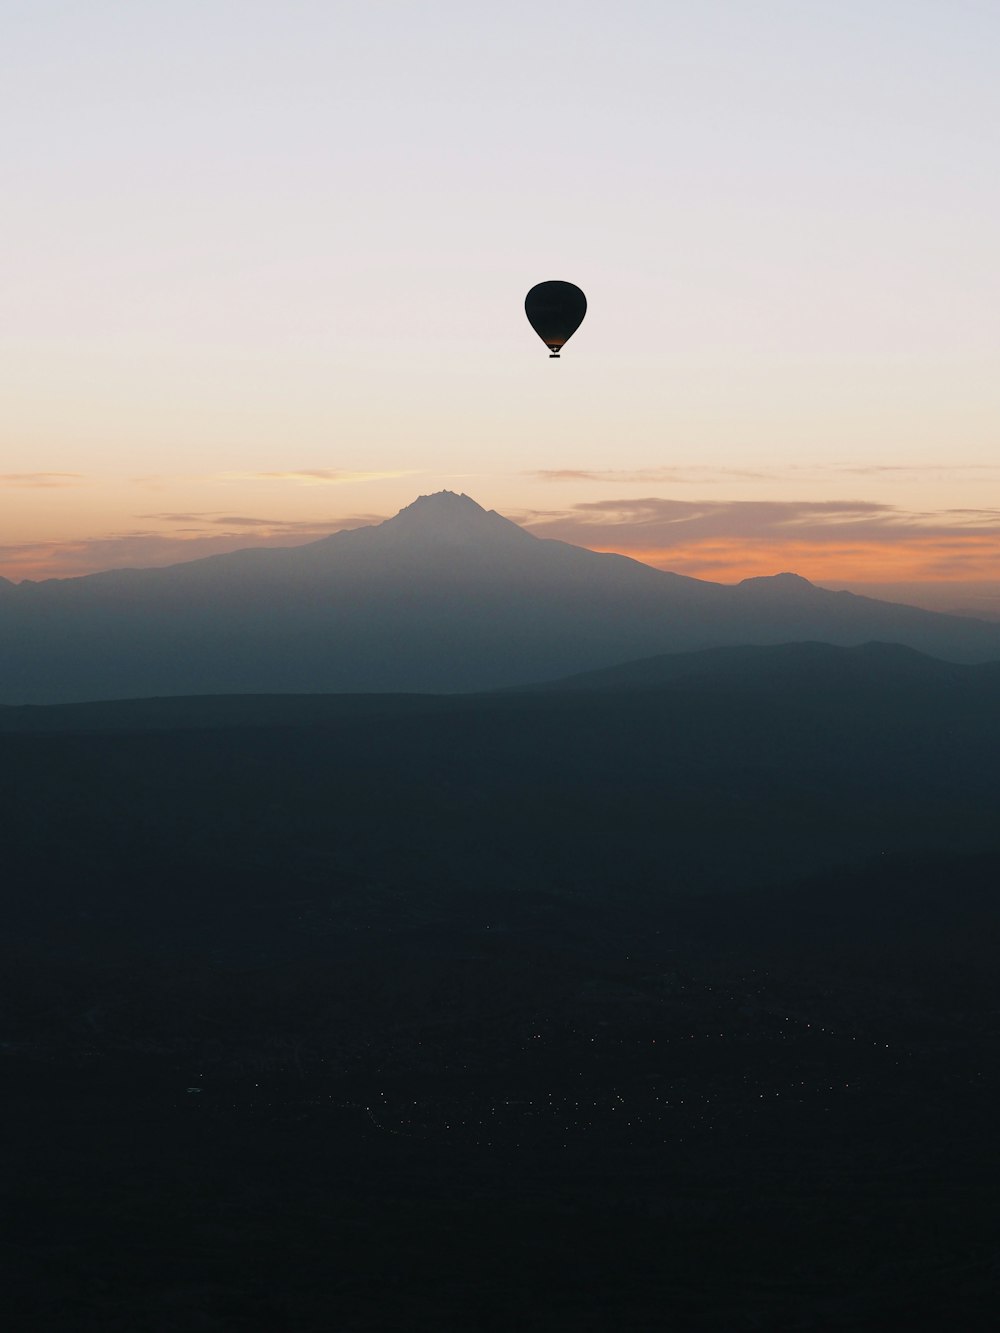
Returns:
point(555, 311)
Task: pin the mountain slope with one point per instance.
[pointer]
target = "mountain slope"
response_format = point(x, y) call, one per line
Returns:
point(444, 597)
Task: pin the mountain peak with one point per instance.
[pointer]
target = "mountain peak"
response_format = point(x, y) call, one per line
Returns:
point(451, 498)
point(785, 580)
point(442, 505)
point(783, 586)
point(446, 518)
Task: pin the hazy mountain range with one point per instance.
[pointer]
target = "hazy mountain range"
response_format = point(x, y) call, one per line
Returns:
point(444, 597)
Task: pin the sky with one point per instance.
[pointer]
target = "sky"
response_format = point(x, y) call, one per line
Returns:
point(262, 271)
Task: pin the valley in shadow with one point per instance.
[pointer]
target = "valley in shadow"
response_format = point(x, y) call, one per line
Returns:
point(668, 1001)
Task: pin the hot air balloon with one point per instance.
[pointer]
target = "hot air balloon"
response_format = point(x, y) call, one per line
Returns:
point(555, 311)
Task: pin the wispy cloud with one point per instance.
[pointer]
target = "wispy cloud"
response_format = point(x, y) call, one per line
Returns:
point(671, 521)
point(317, 476)
point(41, 479)
point(650, 475)
point(694, 475)
point(200, 520)
point(912, 469)
point(842, 538)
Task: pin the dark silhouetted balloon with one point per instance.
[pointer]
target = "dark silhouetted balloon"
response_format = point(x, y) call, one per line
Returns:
point(555, 311)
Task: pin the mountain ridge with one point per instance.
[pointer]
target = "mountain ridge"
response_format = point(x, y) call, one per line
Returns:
point(748, 666)
point(444, 597)
point(755, 672)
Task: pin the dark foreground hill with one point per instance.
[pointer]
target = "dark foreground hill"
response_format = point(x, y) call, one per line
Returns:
point(444, 597)
point(655, 1008)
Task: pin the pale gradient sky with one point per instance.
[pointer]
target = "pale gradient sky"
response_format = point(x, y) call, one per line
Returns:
point(262, 269)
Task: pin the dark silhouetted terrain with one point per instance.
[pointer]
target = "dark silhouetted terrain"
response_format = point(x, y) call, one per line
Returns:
point(444, 597)
point(670, 1002)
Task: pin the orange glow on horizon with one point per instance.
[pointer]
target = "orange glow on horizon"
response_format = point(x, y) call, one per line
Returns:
point(936, 560)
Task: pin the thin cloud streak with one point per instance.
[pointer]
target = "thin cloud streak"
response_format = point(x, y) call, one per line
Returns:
point(668, 521)
point(689, 475)
point(293, 526)
point(912, 469)
point(42, 480)
point(317, 476)
point(651, 476)
point(727, 541)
